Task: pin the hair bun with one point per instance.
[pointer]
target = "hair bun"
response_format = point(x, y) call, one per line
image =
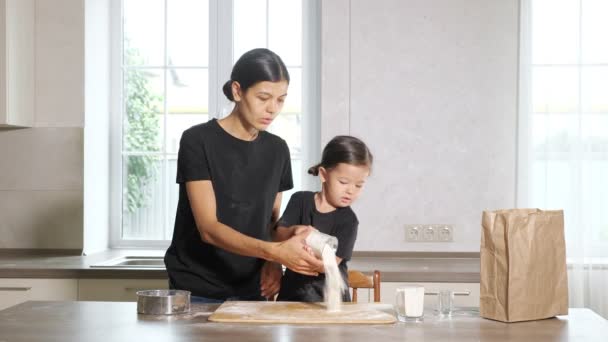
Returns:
point(314, 170)
point(227, 89)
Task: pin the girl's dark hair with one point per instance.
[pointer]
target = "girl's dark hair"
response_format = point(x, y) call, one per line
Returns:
point(255, 66)
point(344, 149)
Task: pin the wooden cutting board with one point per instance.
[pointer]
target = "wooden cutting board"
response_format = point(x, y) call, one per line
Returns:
point(300, 313)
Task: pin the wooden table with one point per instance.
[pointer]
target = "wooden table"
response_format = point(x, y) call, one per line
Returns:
point(111, 321)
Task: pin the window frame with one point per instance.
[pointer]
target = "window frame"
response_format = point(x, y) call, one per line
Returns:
point(220, 63)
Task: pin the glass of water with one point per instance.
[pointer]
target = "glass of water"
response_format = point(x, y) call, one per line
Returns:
point(445, 300)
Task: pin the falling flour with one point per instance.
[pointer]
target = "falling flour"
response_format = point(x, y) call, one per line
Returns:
point(334, 284)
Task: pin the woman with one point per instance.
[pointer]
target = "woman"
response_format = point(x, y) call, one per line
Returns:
point(231, 173)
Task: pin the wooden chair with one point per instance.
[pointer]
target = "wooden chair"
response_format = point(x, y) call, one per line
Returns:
point(358, 280)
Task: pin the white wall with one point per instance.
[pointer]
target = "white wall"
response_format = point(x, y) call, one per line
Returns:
point(41, 168)
point(431, 87)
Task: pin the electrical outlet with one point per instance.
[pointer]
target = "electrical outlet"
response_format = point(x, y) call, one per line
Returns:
point(445, 233)
point(412, 233)
point(429, 233)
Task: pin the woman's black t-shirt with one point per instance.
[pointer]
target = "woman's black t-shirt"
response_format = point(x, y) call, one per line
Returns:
point(246, 177)
point(341, 223)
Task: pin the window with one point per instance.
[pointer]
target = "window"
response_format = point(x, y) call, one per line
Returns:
point(564, 116)
point(170, 60)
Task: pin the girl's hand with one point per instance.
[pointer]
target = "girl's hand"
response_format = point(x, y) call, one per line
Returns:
point(301, 229)
point(307, 230)
point(293, 253)
point(270, 280)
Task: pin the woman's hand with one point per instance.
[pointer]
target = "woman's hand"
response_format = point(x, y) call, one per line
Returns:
point(297, 256)
point(270, 281)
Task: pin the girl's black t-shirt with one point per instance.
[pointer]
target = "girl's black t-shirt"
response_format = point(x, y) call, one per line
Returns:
point(341, 223)
point(246, 177)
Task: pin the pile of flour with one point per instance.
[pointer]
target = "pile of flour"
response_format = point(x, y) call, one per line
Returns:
point(334, 284)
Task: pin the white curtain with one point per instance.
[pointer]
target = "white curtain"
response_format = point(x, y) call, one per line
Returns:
point(563, 133)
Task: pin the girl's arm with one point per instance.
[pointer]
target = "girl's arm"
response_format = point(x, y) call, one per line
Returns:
point(282, 233)
point(289, 253)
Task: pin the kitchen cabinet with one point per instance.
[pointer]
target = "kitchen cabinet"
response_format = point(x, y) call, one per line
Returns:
point(116, 290)
point(17, 63)
point(15, 291)
point(388, 289)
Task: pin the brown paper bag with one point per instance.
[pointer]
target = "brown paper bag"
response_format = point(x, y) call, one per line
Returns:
point(523, 265)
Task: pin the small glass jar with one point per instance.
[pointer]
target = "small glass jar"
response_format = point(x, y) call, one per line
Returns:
point(445, 299)
point(317, 241)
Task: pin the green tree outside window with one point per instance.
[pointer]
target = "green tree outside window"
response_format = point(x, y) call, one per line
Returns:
point(141, 124)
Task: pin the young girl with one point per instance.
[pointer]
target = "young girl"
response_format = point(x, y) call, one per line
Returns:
point(345, 165)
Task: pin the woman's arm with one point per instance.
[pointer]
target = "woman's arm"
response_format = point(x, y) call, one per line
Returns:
point(276, 212)
point(290, 253)
point(272, 272)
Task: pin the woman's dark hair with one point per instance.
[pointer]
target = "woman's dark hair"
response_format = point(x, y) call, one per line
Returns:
point(344, 149)
point(255, 66)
